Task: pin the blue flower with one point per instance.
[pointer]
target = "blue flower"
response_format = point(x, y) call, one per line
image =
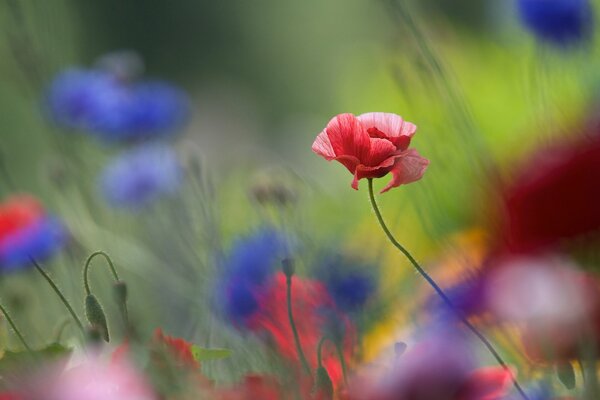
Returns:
point(37, 241)
point(140, 176)
point(246, 272)
point(560, 22)
point(113, 109)
point(350, 284)
point(538, 391)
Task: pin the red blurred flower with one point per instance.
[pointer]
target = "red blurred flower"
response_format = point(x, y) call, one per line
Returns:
point(27, 232)
point(371, 146)
point(252, 388)
point(314, 314)
point(180, 349)
point(17, 213)
point(9, 396)
point(556, 196)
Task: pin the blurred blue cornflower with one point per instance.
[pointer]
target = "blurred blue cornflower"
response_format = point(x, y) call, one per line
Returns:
point(350, 284)
point(246, 271)
point(560, 22)
point(27, 232)
point(114, 109)
point(38, 241)
point(467, 297)
point(140, 176)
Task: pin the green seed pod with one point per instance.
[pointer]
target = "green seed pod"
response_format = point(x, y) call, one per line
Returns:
point(93, 336)
point(287, 265)
point(323, 385)
point(95, 315)
point(120, 293)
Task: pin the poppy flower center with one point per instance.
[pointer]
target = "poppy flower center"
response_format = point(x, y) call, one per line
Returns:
point(376, 133)
point(401, 142)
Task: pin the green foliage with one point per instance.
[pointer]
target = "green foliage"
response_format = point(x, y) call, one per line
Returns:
point(204, 354)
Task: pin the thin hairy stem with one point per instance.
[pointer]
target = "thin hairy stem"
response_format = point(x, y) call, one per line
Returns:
point(440, 292)
point(14, 328)
point(301, 355)
point(86, 269)
point(59, 294)
point(340, 353)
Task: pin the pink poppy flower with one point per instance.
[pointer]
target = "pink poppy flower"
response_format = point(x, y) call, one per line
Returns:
point(371, 146)
point(93, 379)
point(441, 366)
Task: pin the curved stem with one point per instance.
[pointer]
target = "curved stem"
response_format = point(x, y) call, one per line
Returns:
point(319, 351)
point(59, 294)
point(86, 268)
point(293, 326)
point(14, 328)
point(440, 292)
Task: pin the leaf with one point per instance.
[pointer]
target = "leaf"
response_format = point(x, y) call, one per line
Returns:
point(566, 375)
point(15, 360)
point(204, 354)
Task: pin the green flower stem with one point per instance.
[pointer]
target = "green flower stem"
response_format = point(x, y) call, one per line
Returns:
point(301, 355)
point(59, 294)
point(319, 351)
point(340, 353)
point(439, 290)
point(14, 328)
point(86, 269)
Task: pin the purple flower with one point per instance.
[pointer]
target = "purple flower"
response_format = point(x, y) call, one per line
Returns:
point(560, 22)
point(140, 176)
point(113, 109)
point(37, 241)
point(246, 272)
point(349, 283)
point(27, 232)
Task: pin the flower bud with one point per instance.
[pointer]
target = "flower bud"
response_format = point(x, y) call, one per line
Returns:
point(93, 336)
point(96, 317)
point(323, 385)
point(287, 265)
point(120, 293)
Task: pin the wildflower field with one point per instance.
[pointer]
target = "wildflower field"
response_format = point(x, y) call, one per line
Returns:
point(320, 199)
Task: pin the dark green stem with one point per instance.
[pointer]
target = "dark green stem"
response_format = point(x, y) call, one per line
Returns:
point(86, 268)
point(340, 352)
point(14, 328)
point(319, 351)
point(301, 355)
point(59, 294)
point(440, 292)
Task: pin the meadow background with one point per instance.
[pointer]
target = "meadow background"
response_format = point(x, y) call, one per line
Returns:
point(264, 77)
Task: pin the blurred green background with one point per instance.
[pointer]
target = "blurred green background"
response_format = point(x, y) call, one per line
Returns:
point(264, 78)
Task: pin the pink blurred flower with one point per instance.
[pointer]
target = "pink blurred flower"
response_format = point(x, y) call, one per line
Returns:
point(556, 305)
point(371, 146)
point(92, 379)
point(439, 367)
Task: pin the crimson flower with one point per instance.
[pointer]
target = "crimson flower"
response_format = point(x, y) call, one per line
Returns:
point(252, 387)
point(371, 146)
point(554, 199)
